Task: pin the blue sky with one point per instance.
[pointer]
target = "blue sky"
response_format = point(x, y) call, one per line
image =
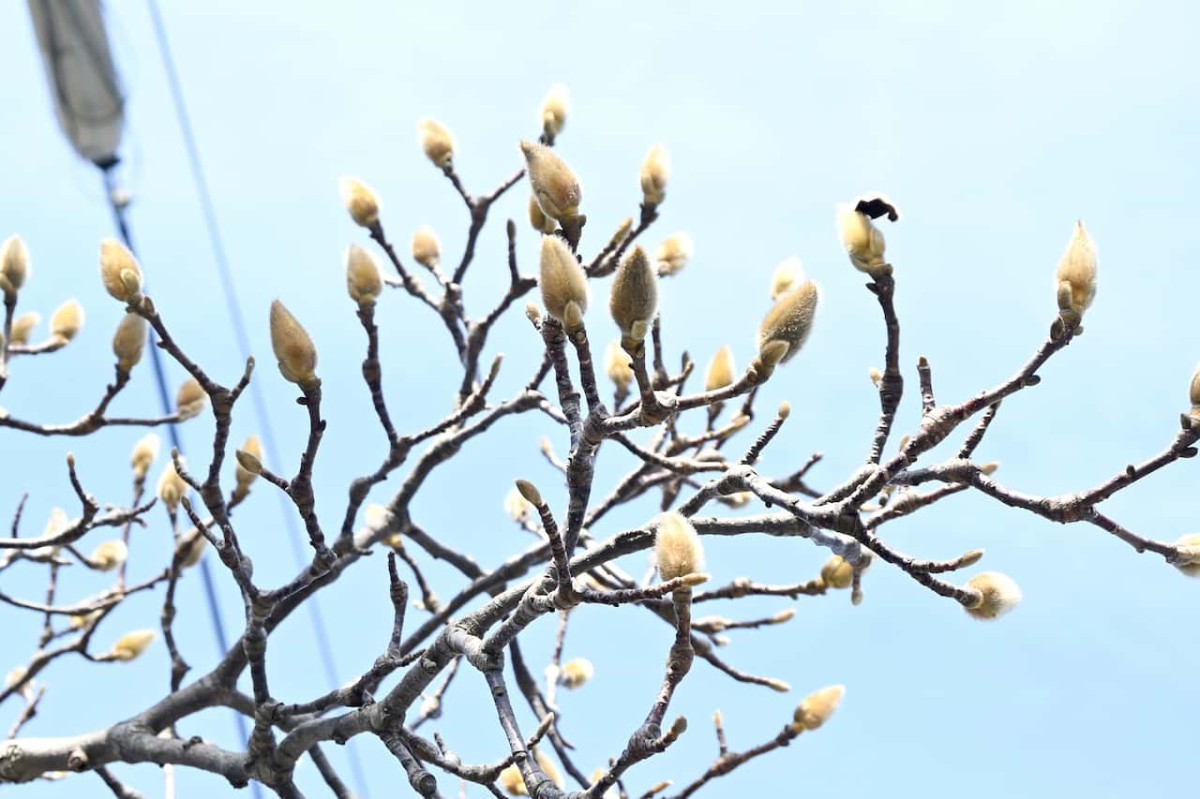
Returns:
point(994, 127)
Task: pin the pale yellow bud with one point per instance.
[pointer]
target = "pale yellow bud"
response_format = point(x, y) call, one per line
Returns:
point(777, 685)
point(1188, 561)
point(129, 341)
point(989, 468)
point(361, 202)
point(249, 464)
point(66, 321)
point(541, 223)
point(998, 595)
point(1193, 389)
point(656, 171)
point(130, 645)
point(512, 782)
point(575, 673)
point(790, 321)
point(78, 621)
point(437, 142)
point(14, 264)
point(618, 366)
point(191, 549)
point(677, 547)
point(555, 186)
point(817, 707)
point(547, 766)
point(837, 573)
point(1077, 269)
point(294, 349)
point(673, 254)
point(876, 376)
point(57, 524)
point(23, 325)
point(190, 400)
point(377, 516)
point(363, 281)
point(553, 111)
point(145, 451)
point(634, 298)
point(426, 249)
point(787, 276)
point(720, 370)
point(109, 555)
point(171, 488)
point(516, 506)
point(863, 241)
point(119, 270)
point(562, 278)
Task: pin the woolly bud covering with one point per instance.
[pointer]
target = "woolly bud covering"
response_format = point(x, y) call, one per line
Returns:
point(129, 341)
point(863, 241)
point(363, 281)
point(789, 322)
point(555, 186)
point(634, 298)
point(562, 280)
point(720, 370)
point(14, 264)
point(1076, 274)
point(130, 645)
point(361, 202)
point(437, 142)
point(145, 451)
point(998, 595)
point(66, 321)
point(654, 175)
point(677, 547)
point(817, 707)
point(294, 349)
point(119, 270)
point(190, 399)
point(553, 111)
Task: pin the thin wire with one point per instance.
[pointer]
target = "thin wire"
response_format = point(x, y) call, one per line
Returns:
point(299, 552)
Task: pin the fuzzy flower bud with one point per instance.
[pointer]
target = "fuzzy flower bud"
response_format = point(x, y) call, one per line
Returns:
point(553, 111)
point(562, 279)
point(130, 645)
point(656, 171)
point(512, 782)
point(294, 349)
point(190, 400)
point(789, 322)
point(575, 673)
point(720, 370)
point(23, 325)
point(249, 464)
point(145, 451)
point(787, 276)
point(863, 241)
point(634, 298)
point(837, 573)
point(14, 264)
point(1077, 270)
point(426, 249)
point(437, 142)
point(191, 549)
point(998, 595)
point(66, 321)
point(363, 281)
point(171, 488)
point(361, 202)
point(129, 341)
point(618, 366)
point(555, 186)
point(109, 555)
point(1188, 561)
point(673, 254)
point(541, 223)
point(119, 270)
point(816, 708)
point(677, 547)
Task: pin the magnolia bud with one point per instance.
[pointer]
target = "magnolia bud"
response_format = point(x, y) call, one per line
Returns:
point(294, 349)
point(789, 322)
point(129, 341)
point(191, 549)
point(66, 321)
point(618, 366)
point(363, 281)
point(673, 254)
point(863, 241)
point(119, 270)
point(998, 594)
point(190, 399)
point(1077, 270)
point(787, 275)
point(816, 708)
point(1188, 560)
point(554, 185)
point(656, 171)
point(437, 142)
point(553, 112)
point(145, 451)
point(512, 782)
point(634, 297)
point(171, 488)
point(837, 573)
point(541, 223)
point(1193, 389)
point(109, 555)
point(426, 249)
point(720, 370)
point(23, 325)
point(360, 201)
point(131, 645)
point(562, 278)
point(575, 673)
point(677, 547)
point(876, 376)
point(14, 264)
point(249, 464)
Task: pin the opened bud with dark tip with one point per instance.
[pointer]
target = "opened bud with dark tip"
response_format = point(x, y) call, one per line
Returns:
point(295, 351)
point(119, 270)
point(555, 186)
point(863, 241)
point(634, 298)
point(562, 280)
